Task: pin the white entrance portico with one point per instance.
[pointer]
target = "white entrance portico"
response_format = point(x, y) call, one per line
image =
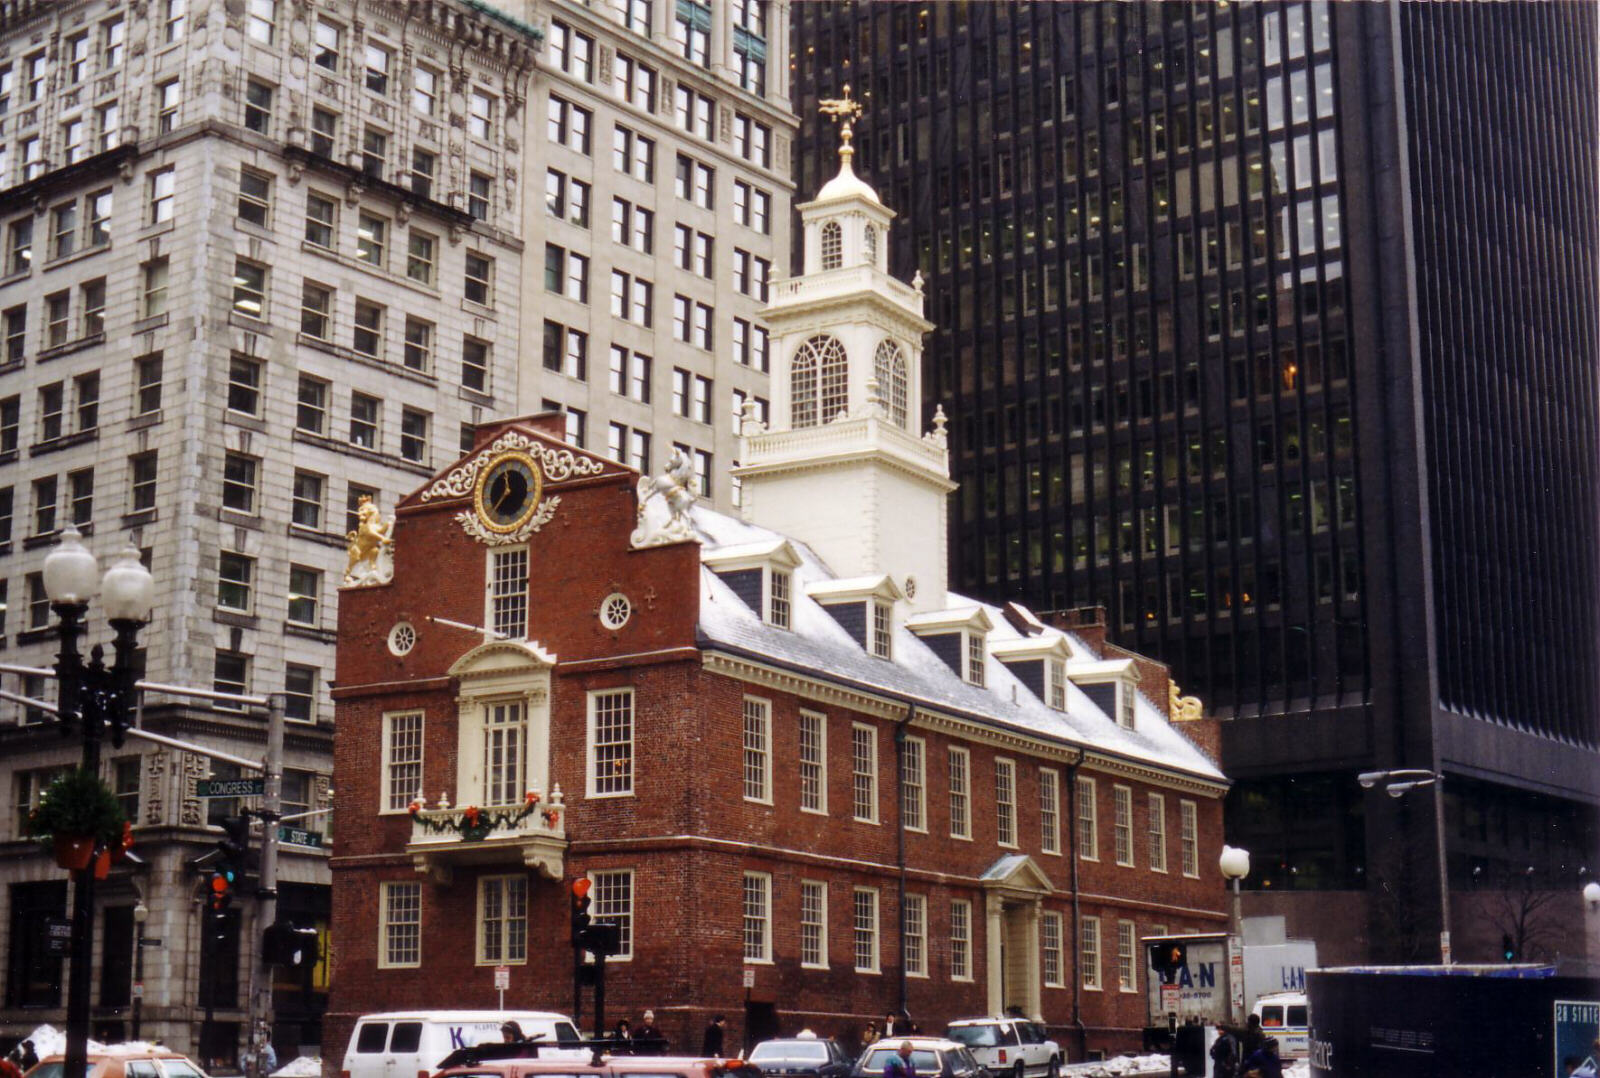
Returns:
point(1015, 888)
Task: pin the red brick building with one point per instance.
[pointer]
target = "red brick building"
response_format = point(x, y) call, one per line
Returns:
point(786, 757)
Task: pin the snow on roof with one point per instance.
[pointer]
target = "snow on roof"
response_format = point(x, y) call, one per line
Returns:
point(817, 643)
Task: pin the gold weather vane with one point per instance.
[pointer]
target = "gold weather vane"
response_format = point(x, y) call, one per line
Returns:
point(842, 109)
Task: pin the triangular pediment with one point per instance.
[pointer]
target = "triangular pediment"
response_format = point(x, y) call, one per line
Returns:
point(557, 462)
point(1018, 873)
point(502, 658)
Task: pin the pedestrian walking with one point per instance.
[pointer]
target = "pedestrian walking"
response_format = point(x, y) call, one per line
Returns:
point(711, 1043)
point(648, 1039)
point(1225, 1054)
point(869, 1036)
point(900, 1064)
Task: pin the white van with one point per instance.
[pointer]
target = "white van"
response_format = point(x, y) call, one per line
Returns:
point(1284, 1015)
point(410, 1044)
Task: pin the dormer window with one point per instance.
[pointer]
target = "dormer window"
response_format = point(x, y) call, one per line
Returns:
point(832, 245)
point(1057, 672)
point(1125, 706)
point(882, 630)
point(975, 658)
point(778, 599)
point(1110, 684)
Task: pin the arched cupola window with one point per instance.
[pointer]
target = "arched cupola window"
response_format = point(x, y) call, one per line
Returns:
point(832, 245)
point(871, 241)
point(818, 382)
point(889, 367)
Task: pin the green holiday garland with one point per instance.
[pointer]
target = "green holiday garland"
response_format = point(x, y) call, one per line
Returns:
point(475, 824)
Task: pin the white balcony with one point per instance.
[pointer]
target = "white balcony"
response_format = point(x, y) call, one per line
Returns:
point(442, 838)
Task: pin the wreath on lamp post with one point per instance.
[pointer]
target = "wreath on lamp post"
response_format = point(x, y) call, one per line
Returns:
point(79, 817)
point(475, 824)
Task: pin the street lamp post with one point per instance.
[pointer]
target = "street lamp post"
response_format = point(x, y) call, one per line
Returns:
point(141, 914)
point(1398, 783)
point(1235, 866)
point(94, 696)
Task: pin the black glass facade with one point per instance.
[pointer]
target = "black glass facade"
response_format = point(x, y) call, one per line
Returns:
point(1270, 328)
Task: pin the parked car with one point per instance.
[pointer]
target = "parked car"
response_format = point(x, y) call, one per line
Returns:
point(1009, 1046)
point(118, 1061)
point(934, 1057)
point(529, 1061)
point(821, 1056)
point(1284, 1015)
point(404, 1044)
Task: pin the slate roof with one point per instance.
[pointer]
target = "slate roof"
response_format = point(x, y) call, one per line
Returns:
point(817, 645)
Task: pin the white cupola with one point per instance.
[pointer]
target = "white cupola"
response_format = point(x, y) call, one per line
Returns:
point(845, 466)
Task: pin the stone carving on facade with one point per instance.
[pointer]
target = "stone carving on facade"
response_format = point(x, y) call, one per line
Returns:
point(675, 488)
point(195, 766)
point(750, 419)
point(370, 547)
point(155, 786)
point(1182, 708)
point(937, 437)
point(557, 464)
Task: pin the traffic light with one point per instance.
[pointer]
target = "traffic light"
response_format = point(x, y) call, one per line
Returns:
point(1168, 957)
point(580, 911)
point(233, 848)
point(222, 881)
point(1508, 947)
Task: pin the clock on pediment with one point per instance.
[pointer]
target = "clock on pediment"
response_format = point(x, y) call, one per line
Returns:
point(507, 492)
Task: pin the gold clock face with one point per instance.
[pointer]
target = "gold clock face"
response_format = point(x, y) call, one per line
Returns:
point(508, 492)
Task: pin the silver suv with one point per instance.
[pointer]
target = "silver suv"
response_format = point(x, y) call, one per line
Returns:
point(1009, 1047)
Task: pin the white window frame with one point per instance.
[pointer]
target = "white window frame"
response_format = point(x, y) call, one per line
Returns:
point(757, 907)
point(1122, 825)
point(389, 928)
point(977, 660)
point(1005, 802)
point(505, 885)
point(602, 908)
point(1049, 810)
point(1158, 832)
point(960, 793)
point(492, 556)
point(592, 753)
point(863, 773)
point(1089, 954)
point(914, 940)
point(914, 784)
point(1189, 830)
point(388, 794)
point(757, 750)
point(864, 926)
point(813, 728)
point(960, 940)
point(1050, 937)
point(1088, 819)
point(818, 891)
point(1127, 957)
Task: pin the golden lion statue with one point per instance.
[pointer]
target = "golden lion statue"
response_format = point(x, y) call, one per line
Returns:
point(371, 537)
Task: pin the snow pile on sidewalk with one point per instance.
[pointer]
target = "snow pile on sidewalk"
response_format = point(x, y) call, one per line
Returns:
point(1120, 1067)
point(303, 1067)
point(50, 1041)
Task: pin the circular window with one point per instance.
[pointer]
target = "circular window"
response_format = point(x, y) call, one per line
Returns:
point(402, 638)
point(615, 610)
point(911, 587)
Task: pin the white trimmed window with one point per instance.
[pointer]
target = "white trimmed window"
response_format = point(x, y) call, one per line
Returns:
point(1189, 835)
point(1049, 810)
point(1050, 949)
point(832, 245)
point(757, 750)
point(400, 926)
point(1088, 821)
point(960, 940)
point(778, 598)
point(1005, 802)
point(914, 943)
point(1089, 956)
point(508, 591)
point(913, 785)
point(1122, 824)
point(612, 901)
point(1158, 833)
point(882, 630)
point(813, 762)
point(1058, 684)
point(1127, 947)
point(502, 920)
point(960, 793)
point(505, 747)
point(813, 924)
point(1125, 712)
point(975, 658)
point(610, 743)
point(864, 921)
point(757, 917)
point(864, 772)
point(402, 759)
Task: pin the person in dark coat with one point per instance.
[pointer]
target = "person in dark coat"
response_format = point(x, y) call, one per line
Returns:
point(648, 1039)
point(27, 1058)
point(711, 1044)
point(1264, 1060)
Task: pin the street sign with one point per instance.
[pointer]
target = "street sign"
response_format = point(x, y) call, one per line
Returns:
point(58, 935)
point(298, 836)
point(230, 787)
point(749, 978)
point(502, 978)
point(138, 989)
point(1169, 998)
point(149, 941)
